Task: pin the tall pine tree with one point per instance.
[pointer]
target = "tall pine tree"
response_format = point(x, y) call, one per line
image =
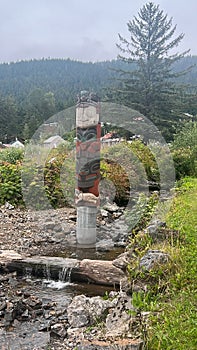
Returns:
point(148, 84)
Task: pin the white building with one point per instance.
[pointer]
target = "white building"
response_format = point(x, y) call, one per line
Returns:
point(53, 141)
point(17, 144)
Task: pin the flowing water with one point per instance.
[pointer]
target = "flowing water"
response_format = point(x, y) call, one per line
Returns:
point(88, 253)
point(63, 287)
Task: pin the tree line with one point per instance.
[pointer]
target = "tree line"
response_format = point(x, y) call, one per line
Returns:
point(146, 77)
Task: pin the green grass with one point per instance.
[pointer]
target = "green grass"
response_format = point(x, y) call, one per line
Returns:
point(173, 323)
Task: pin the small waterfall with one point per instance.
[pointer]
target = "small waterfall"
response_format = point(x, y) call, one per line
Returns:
point(64, 278)
point(47, 273)
point(28, 272)
point(65, 274)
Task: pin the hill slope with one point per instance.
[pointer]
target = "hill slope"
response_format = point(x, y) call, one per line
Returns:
point(32, 91)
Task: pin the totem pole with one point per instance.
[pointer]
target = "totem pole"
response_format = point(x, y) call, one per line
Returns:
point(88, 133)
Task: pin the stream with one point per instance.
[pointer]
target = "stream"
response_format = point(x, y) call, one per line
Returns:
point(33, 310)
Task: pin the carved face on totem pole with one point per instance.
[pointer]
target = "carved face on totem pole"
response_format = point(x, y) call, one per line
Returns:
point(88, 133)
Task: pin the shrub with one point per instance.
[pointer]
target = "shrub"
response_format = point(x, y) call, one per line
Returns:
point(184, 149)
point(129, 167)
point(10, 183)
point(12, 155)
point(146, 157)
point(184, 162)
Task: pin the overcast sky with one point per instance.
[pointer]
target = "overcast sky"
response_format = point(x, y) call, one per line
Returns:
point(84, 30)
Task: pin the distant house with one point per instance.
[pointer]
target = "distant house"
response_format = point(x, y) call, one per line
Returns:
point(110, 139)
point(17, 144)
point(107, 136)
point(53, 141)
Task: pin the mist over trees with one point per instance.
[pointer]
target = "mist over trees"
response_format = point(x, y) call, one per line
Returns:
point(32, 91)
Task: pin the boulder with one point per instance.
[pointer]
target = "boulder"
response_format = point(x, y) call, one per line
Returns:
point(119, 319)
point(85, 311)
point(152, 258)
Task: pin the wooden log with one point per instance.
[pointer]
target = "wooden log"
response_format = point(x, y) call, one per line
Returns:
point(91, 271)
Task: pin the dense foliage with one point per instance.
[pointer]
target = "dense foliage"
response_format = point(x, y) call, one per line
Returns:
point(32, 91)
point(125, 166)
point(129, 167)
point(10, 183)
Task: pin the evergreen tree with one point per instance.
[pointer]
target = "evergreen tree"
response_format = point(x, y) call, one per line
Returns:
point(149, 86)
point(10, 126)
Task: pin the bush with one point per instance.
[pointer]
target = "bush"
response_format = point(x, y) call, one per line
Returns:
point(146, 157)
point(12, 155)
point(50, 183)
point(59, 180)
point(184, 162)
point(10, 183)
point(129, 167)
point(184, 150)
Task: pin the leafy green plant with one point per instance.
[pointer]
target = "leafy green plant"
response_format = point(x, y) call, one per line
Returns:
point(128, 166)
point(147, 159)
point(10, 183)
point(185, 162)
point(184, 150)
point(59, 177)
point(141, 213)
point(11, 155)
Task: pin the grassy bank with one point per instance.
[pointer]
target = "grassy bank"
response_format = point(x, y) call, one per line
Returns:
point(173, 321)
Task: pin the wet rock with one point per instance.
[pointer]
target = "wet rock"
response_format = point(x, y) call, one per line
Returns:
point(152, 258)
point(26, 338)
point(59, 330)
point(99, 272)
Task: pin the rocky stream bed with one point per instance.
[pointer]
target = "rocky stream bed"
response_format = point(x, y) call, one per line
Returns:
point(40, 313)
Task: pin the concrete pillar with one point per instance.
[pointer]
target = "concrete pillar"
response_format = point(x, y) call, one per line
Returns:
point(88, 133)
point(86, 225)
